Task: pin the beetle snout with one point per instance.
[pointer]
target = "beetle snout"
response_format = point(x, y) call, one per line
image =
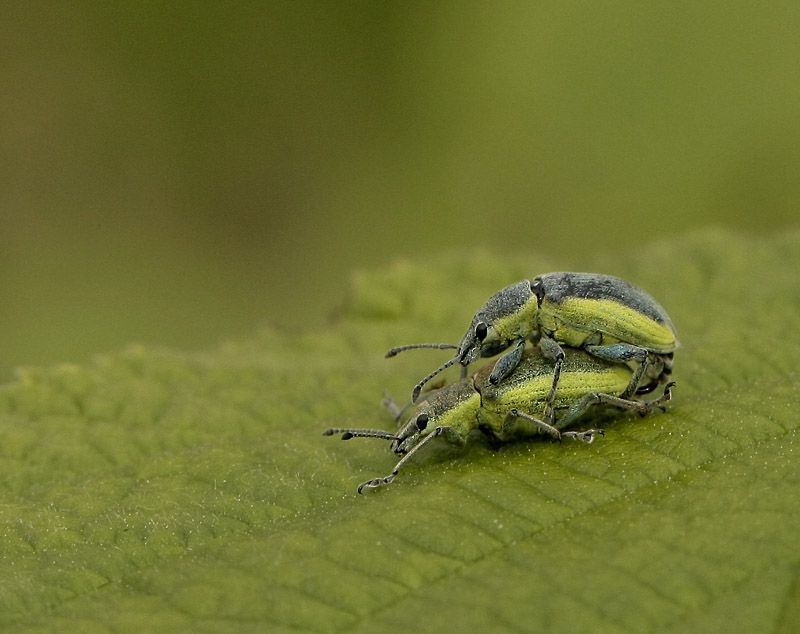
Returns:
point(468, 353)
point(401, 445)
point(491, 348)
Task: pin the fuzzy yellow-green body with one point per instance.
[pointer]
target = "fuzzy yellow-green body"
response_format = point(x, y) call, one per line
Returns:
point(606, 316)
point(527, 389)
point(575, 321)
point(517, 325)
point(457, 408)
point(477, 404)
point(519, 407)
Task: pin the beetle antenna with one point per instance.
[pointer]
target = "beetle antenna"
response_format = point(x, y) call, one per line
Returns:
point(347, 434)
point(416, 346)
point(418, 387)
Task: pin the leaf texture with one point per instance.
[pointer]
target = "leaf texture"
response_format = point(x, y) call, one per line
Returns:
point(170, 491)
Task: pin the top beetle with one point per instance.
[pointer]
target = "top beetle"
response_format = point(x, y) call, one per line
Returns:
point(608, 317)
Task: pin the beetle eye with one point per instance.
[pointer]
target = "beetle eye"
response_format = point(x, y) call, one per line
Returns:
point(422, 421)
point(481, 330)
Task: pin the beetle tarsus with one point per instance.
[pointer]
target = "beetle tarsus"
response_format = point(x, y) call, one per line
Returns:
point(586, 436)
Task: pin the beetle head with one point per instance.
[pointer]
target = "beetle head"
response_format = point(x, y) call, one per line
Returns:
point(451, 406)
point(508, 316)
point(417, 426)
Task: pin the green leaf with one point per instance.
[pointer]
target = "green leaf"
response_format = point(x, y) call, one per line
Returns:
point(158, 490)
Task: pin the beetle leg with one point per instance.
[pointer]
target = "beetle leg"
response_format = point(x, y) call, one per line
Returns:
point(598, 398)
point(586, 436)
point(394, 409)
point(449, 434)
point(505, 365)
point(623, 353)
point(539, 425)
point(551, 350)
point(661, 402)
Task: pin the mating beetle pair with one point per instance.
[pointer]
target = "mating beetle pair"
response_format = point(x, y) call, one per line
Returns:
point(504, 412)
point(618, 326)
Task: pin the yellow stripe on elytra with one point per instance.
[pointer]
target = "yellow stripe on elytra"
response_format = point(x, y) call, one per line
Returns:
point(583, 316)
point(461, 416)
point(572, 385)
point(519, 323)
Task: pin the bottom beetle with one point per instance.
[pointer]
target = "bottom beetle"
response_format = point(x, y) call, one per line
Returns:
point(504, 412)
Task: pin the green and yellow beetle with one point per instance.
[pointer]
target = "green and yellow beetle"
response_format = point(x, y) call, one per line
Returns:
point(606, 316)
point(504, 412)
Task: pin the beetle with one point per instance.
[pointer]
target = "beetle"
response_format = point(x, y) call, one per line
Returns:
point(604, 315)
point(503, 412)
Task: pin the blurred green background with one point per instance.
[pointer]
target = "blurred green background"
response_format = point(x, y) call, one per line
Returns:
point(178, 173)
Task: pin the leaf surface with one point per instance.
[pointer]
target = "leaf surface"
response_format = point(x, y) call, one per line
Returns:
point(169, 491)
